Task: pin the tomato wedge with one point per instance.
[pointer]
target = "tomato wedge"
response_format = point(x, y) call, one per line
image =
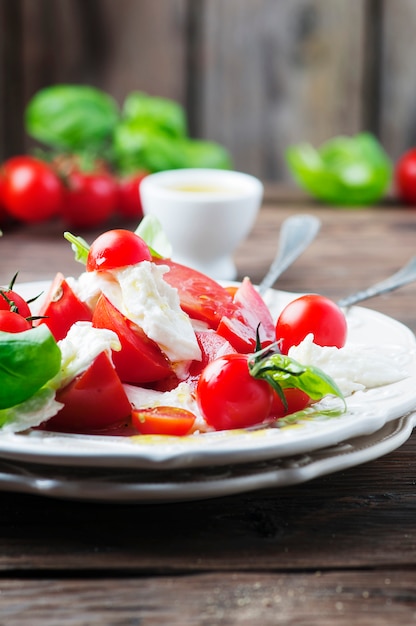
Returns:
point(140, 359)
point(212, 346)
point(251, 313)
point(163, 420)
point(93, 401)
point(201, 297)
point(62, 308)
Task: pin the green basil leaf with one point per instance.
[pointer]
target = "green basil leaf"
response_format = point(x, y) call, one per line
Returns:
point(140, 148)
point(79, 246)
point(151, 231)
point(30, 413)
point(284, 372)
point(347, 171)
point(28, 360)
point(208, 154)
point(162, 115)
point(71, 117)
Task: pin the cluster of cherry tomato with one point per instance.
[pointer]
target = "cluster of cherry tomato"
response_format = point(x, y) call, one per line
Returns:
point(32, 190)
point(228, 395)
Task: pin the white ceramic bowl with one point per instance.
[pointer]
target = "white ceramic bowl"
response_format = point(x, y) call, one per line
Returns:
point(205, 214)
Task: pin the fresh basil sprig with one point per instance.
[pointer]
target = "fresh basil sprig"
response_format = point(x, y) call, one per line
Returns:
point(283, 372)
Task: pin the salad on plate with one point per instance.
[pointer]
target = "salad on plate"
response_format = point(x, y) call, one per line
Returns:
point(140, 345)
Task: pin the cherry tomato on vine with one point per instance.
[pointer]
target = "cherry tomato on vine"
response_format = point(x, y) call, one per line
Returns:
point(11, 322)
point(129, 198)
point(163, 420)
point(32, 191)
point(311, 314)
point(117, 248)
point(12, 301)
point(405, 177)
point(90, 198)
point(296, 400)
point(229, 397)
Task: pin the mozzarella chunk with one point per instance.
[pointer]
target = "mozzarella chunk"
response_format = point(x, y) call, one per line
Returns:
point(149, 301)
point(79, 349)
point(353, 366)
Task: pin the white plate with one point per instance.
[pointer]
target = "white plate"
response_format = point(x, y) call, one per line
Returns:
point(367, 413)
point(130, 486)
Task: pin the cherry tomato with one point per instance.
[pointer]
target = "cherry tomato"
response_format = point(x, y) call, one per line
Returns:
point(62, 308)
point(163, 420)
point(140, 359)
point(32, 192)
point(311, 314)
point(229, 397)
point(129, 198)
point(201, 297)
point(12, 301)
point(296, 400)
point(11, 322)
point(405, 177)
point(95, 400)
point(117, 248)
point(3, 210)
point(90, 198)
point(250, 314)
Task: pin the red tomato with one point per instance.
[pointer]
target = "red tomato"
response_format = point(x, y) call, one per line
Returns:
point(201, 297)
point(90, 198)
point(311, 314)
point(140, 359)
point(3, 210)
point(95, 400)
point(212, 347)
point(163, 420)
point(250, 313)
point(405, 177)
point(117, 248)
point(129, 199)
point(296, 401)
point(11, 322)
point(62, 308)
point(12, 301)
point(229, 397)
point(32, 191)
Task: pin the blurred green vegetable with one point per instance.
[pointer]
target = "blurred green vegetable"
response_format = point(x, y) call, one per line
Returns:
point(347, 171)
point(149, 133)
point(159, 114)
point(72, 117)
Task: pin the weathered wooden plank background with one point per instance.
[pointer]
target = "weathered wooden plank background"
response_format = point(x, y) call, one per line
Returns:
point(255, 75)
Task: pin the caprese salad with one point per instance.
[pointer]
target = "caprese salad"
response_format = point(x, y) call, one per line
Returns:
point(138, 344)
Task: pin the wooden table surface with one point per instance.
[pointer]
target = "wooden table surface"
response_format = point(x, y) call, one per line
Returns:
point(339, 549)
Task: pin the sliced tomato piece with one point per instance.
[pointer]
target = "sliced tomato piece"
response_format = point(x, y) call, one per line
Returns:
point(94, 401)
point(251, 313)
point(163, 420)
point(201, 297)
point(140, 359)
point(212, 346)
point(62, 308)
